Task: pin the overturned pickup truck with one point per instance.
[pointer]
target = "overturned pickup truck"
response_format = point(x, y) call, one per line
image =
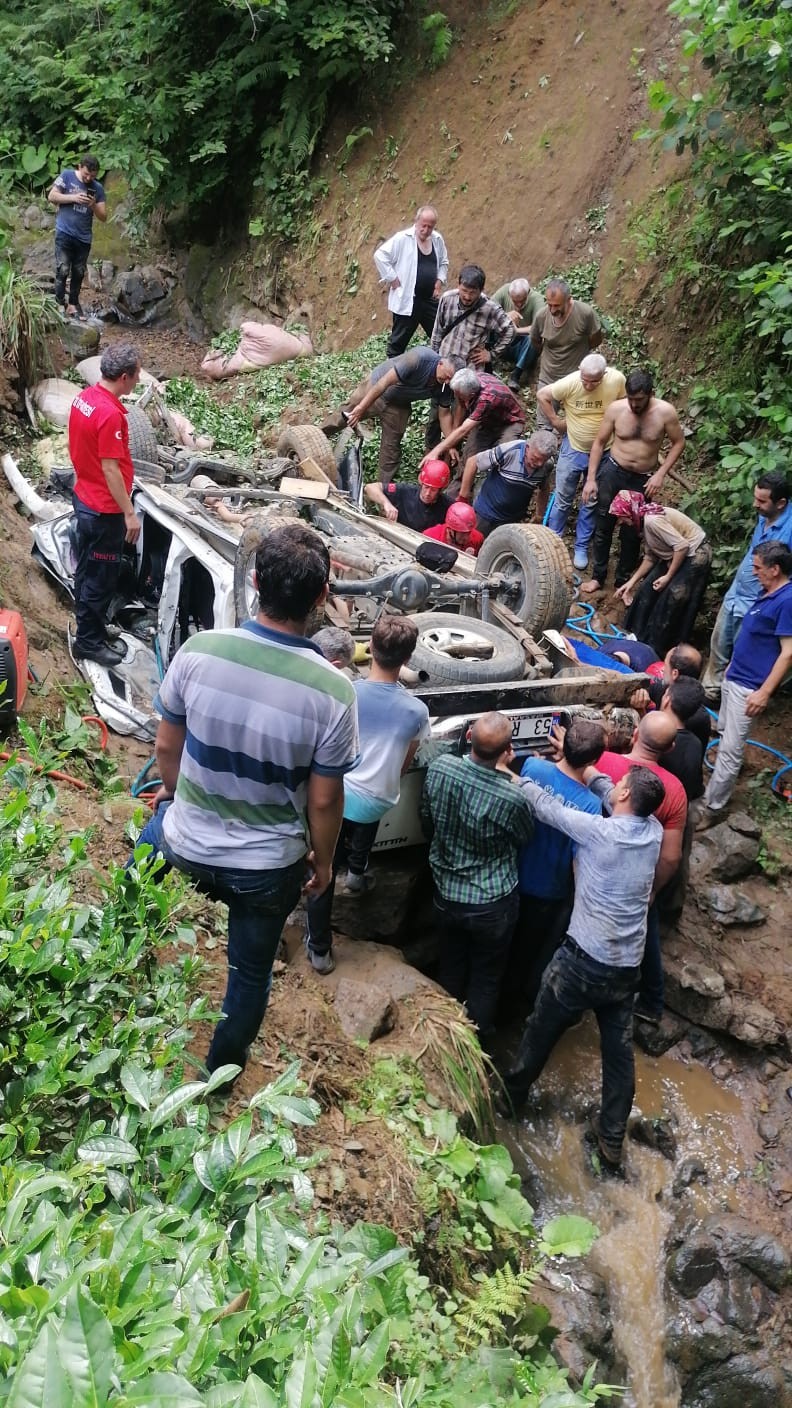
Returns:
point(480, 621)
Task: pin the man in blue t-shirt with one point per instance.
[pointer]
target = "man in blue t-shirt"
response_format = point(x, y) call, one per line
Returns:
point(391, 724)
point(387, 395)
point(772, 494)
point(78, 197)
point(545, 865)
point(761, 661)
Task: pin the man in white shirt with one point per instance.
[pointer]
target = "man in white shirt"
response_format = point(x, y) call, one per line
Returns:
point(413, 264)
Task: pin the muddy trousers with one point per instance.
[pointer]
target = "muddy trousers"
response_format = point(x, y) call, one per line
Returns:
point(393, 419)
point(575, 983)
point(353, 848)
point(100, 543)
point(475, 945)
point(71, 258)
point(610, 479)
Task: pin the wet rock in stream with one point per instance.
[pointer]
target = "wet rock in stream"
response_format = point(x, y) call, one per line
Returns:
point(723, 1279)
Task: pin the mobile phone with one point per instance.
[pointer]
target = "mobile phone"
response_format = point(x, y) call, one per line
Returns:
point(560, 720)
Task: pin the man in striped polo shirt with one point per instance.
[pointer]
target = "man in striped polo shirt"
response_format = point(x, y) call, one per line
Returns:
point(256, 734)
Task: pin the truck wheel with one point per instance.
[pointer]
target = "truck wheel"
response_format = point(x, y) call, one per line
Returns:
point(437, 630)
point(142, 436)
point(245, 593)
point(303, 442)
point(538, 571)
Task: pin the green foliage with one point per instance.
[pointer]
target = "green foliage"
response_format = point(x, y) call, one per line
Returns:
point(151, 1255)
point(27, 317)
point(733, 254)
point(441, 36)
point(195, 102)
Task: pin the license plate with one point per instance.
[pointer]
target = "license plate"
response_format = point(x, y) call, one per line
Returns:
point(529, 727)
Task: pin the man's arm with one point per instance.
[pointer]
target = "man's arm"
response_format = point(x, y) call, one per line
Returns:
point(168, 748)
point(758, 700)
point(580, 826)
point(669, 858)
point(385, 262)
point(452, 439)
point(376, 495)
point(545, 399)
point(442, 264)
point(438, 331)
point(115, 483)
point(100, 210)
point(506, 333)
point(325, 812)
point(373, 394)
point(676, 436)
point(601, 442)
point(595, 338)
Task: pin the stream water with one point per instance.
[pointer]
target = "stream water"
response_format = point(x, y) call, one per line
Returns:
point(711, 1124)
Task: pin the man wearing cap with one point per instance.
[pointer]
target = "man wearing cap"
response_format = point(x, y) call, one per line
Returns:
point(387, 395)
point(459, 530)
point(418, 506)
point(582, 399)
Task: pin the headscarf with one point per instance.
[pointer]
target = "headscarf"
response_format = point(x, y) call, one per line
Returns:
point(630, 506)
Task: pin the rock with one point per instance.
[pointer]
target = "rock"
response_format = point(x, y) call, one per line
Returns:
point(690, 1171)
point(742, 1242)
point(743, 1381)
point(79, 339)
point(727, 906)
point(655, 1134)
point(655, 1040)
point(769, 1131)
point(382, 913)
point(745, 825)
point(364, 1010)
point(693, 1265)
point(690, 1344)
point(725, 852)
point(705, 981)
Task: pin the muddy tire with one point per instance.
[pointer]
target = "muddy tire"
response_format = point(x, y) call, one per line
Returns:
point(245, 594)
point(436, 628)
point(303, 442)
point(142, 437)
point(537, 564)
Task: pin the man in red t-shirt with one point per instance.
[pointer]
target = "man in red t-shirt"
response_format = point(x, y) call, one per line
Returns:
point(106, 519)
point(459, 530)
point(653, 737)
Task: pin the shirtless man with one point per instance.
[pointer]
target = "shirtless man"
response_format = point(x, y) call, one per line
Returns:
point(637, 426)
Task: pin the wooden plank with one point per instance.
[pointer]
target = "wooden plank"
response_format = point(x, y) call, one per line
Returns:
point(596, 689)
point(305, 488)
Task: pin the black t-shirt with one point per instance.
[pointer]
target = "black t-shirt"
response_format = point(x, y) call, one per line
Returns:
point(417, 373)
point(685, 760)
point(425, 276)
point(412, 511)
point(638, 653)
point(700, 724)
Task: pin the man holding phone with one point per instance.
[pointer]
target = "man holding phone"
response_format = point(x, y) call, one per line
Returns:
point(78, 197)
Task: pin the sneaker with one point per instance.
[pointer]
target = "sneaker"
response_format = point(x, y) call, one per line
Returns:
point(323, 963)
point(601, 1166)
point(708, 817)
point(580, 561)
point(359, 884)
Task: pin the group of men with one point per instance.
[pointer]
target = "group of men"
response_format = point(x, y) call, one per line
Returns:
point(276, 769)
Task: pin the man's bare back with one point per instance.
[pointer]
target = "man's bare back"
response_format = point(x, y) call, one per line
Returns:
point(637, 439)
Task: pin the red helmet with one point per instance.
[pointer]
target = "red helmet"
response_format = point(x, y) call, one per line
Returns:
point(435, 474)
point(460, 518)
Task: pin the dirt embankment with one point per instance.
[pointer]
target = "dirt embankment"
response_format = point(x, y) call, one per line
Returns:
point(523, 140)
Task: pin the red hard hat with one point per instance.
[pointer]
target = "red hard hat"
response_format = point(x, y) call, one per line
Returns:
point(460, 518)
point(435, 474)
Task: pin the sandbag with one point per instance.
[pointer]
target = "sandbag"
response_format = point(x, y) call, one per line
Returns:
point(53, 397)
point(260, 345)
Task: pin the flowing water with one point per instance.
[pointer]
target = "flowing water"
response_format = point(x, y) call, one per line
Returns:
point(711, 1124)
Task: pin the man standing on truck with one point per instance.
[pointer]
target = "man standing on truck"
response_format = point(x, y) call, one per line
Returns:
point(78, 197)
point(106, 518)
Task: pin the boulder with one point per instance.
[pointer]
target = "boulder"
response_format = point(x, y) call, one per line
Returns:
point(382, 913)
point(742, 1243)
point(364, 1010)
point(729, 851)
point(690, 1171)
point(743, 1381)
point(79, 339)
point(729, 906)
point(654, 1134)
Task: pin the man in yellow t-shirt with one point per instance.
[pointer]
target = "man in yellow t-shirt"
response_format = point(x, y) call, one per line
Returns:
point(582, 399)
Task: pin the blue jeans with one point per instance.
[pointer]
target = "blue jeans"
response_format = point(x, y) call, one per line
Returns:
point(571, 466)
point(574, 983)
point(100, 547)
point(259, 903)
point(71, 259)
point(475, 945)
point(724, 634)
point(352, 849)
point(522, 353)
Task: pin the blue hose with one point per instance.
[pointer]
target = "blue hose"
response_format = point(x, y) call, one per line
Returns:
point(754, 743)
point(144, 783)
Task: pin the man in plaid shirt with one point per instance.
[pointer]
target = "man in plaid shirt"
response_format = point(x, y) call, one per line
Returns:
point(487, 414)
point(476, 820)
point(470, 325)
